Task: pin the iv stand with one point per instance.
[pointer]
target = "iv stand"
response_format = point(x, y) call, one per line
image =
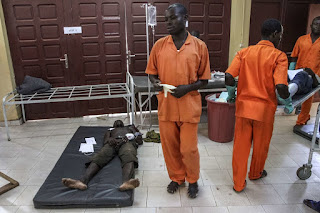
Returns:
point(149, 83)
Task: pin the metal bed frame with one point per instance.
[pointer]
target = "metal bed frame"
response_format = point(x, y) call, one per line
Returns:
point(73, 93)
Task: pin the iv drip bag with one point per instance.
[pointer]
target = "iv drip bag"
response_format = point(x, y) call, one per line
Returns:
point(152, 15)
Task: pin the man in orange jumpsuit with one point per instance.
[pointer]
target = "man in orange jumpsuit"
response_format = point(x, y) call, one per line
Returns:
point(181, 60)
point(306, 54)
point(261, 69)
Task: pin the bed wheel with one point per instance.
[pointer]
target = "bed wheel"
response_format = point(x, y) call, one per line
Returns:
point(304, 173)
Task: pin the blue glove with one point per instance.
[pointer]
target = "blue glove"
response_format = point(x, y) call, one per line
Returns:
point(231, 94)
point(292, 65)
point(288, 108)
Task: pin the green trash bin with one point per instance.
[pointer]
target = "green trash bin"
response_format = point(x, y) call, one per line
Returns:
point(221, 119)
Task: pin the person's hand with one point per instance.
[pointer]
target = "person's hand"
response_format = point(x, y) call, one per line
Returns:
point(231, 100)
point(111, 141)
point(292, 65)
point(180, 91)
point(231, 94)
point(156, 84)
point(139, 140)
point(288, 107)
point(125, 139)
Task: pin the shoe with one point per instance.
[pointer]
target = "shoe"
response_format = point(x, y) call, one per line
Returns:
point(301, 124)
point(193, 190)
point(172, 187)
point(312, 204)
point(245, 185)
point(263, 174)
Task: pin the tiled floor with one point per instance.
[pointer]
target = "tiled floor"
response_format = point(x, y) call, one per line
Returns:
point(37, 145)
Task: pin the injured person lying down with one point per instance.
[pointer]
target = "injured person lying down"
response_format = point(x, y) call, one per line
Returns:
point(122, 141)
point(301, 82)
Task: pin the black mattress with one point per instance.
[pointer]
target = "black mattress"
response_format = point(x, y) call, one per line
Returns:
point(305, 131)
point(102, 189)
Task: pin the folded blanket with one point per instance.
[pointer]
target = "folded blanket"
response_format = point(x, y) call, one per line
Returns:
point(31, 85)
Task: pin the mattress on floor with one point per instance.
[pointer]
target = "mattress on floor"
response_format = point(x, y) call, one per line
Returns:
point(305, 131)
point(102, 189)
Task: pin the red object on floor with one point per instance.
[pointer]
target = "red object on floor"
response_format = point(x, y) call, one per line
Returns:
point(221, 120)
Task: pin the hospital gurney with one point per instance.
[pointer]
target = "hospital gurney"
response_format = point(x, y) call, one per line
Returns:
point(304, 172)
point(73, 93)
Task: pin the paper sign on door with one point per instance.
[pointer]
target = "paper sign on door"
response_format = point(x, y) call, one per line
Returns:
point(72, 30)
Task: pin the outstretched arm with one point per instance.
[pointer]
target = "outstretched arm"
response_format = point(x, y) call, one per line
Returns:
point(231, 87)
point(232, 72)
point(229, 80)
point(280, 76)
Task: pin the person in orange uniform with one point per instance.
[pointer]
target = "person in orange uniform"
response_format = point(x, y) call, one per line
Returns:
point(181, 60)
point(261, 69)
point(306, 54)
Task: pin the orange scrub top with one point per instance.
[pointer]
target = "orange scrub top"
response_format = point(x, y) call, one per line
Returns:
point(260, 68)
point(308, 54)
point(182, 67)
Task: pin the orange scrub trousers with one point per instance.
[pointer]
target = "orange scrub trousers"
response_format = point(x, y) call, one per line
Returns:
point(179, 117)
point(308, 55)
point(260, 68)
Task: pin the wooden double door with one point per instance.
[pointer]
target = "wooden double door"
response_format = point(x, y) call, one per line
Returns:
point(40, 48)
point(293, 14)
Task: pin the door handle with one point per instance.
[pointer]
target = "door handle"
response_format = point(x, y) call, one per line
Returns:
point(129, 56)
point(65, 59)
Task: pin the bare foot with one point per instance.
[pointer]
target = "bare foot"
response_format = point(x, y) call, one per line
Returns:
point(74, 184)
point(130, 184)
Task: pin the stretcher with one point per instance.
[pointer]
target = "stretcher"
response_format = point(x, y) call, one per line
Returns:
point(297, 100)
point(306, 131)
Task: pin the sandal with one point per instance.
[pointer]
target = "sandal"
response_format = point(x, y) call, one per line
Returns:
point(193, 190)
point(172, 187)
point(312, 204)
